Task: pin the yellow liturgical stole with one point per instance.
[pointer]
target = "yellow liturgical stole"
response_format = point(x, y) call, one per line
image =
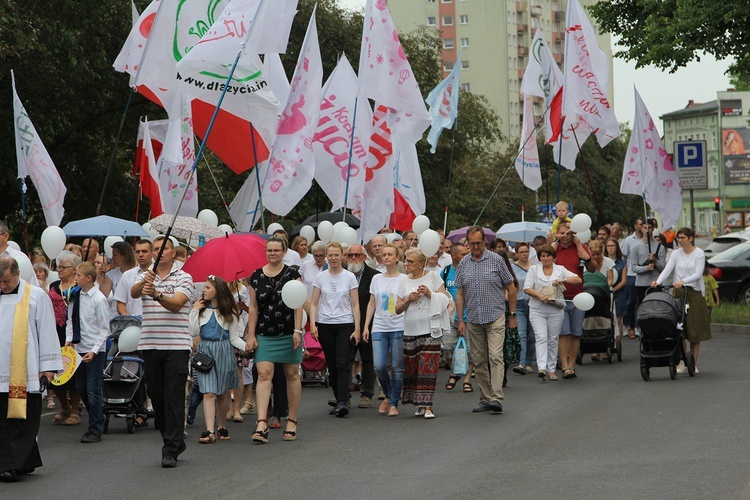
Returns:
point(18, 357)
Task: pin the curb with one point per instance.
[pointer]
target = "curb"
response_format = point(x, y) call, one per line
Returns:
point(730, 329)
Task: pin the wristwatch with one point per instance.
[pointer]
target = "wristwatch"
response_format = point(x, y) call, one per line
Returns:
point(159, 297)
point(513, 315)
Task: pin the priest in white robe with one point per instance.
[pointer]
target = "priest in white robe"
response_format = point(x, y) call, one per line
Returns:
point(29, 350)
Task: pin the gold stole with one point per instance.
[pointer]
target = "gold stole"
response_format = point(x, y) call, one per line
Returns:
point(18, 357)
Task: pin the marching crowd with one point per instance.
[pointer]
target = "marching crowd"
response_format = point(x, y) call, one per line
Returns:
point(385, 315)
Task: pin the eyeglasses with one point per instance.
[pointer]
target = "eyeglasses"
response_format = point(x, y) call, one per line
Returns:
point(476, 243)
point(354, 255)
point(273, 250)
point(62, 268)
point(322, 256)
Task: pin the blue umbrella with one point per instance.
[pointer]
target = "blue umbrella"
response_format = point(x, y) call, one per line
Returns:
point(104, 225)
point(523, 231)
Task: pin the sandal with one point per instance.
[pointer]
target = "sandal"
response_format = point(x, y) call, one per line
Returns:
point(73, 420)
point(275, 423)
point(50, 403)
point(61, 417)
point(140, 421)
point(207, 437)
point(290, 435)
point(238, 418)
point(452, 382)
point(261, 436)
point(468, 387)
point(247, 408)
point(223, 434)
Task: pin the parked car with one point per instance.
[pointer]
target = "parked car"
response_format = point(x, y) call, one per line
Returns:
point(721, 243)
point(731, 268)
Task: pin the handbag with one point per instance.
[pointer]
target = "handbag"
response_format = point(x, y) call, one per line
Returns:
point(460, 358)
point(202, 362)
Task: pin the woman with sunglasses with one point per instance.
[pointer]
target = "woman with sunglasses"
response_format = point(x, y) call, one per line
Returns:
point(274, 331)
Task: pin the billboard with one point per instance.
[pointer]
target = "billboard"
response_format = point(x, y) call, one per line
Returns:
point(731, 107)
point(735, 147)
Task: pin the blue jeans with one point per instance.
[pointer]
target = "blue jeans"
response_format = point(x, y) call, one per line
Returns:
point(631, 306)
point(381, 343)
point(525, 333)
point(89, 378)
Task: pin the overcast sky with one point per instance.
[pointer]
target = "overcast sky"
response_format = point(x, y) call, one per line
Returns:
point(661, 91)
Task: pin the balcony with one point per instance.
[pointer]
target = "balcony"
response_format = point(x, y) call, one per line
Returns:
point(523, 28)
point(558, 58)
point(558, 37)
point(521, 6)
point(523, 51)
point(520, 74)
point(559, 15)
point(536, 11)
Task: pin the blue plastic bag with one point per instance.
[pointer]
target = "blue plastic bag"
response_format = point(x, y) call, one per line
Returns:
point(460, 358)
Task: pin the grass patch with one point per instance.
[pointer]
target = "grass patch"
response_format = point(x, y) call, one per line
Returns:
point(731, 313)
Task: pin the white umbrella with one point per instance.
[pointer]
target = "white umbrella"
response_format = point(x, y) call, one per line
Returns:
point(523, 231)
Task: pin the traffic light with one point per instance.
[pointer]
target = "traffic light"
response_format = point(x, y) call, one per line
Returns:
point(717, 204)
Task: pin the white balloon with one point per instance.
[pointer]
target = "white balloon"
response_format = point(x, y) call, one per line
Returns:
point(580, 223)
point(226, 229)
point(14, 245)
point(337, 228)
point(273, 227)
point(146, 226)
point(325, 231)
point(24, 264)
point(129, 339)
point(421, 224)
point(52, 277)
point(585, 236)
point(294, 294)
point(108, 242)
point(308, 233)
point(208, 217)
point(583, 301)
point(429, 242)
point(348, 235)
point(53, 241)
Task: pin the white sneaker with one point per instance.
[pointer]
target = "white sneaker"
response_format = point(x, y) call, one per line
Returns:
point(695, 370)
point(681, 368)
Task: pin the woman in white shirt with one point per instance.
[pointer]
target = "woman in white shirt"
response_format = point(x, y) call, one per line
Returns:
point(541, 286)
point(686, 263)
point(335, 309)
point(421, 349)
point(387, 330)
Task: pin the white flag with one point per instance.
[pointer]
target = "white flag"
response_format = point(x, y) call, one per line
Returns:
point(378, 202)
point(245, 209)
point(586, 78)
point(332, 140)
point(33, 160)
point(542, 78)
point(443, 102)
point(572, 135)
point(648, 171)
point(385, 74)
point(527, 161)
point(292, 163)
point(407, 177)
point(177, 159)
point(276, 76)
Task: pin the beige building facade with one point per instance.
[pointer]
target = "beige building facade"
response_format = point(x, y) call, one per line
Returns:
point(494, 37)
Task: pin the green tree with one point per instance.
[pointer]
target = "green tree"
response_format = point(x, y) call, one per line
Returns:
point(671, 33)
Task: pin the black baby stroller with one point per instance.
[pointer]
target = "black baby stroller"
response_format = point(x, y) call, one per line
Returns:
point(123, 391)
point(660, 318)
point(599, 327)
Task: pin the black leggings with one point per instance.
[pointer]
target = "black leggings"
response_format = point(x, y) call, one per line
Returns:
point(334, 339)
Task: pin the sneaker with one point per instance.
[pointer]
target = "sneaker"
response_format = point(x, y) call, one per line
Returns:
point(428, 414)
point(91, 437)
point(681, 368)
point(393, 411)
point(420, 412)
point(496, 406)
point(341, 410)
point(190, 420)
point(482, 406)
point(520, 369)
point(168, 462)
point(247, 408)
point(529, 369)
point(384, 406)
point(365, 402)
point(695, 370)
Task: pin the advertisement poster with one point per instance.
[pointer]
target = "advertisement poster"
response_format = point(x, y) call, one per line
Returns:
point(735, 144)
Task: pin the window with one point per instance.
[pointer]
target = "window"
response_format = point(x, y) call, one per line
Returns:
point(430, 1)
point(447, 20)
point(463, 19)
point(466, 87)
point(431, 21)
point(448, 43)
point(448, 65)
point(464, 64)
point(464, 42)
point(446, 1)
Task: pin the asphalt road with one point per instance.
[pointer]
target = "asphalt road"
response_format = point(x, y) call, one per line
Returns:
point(607, 434)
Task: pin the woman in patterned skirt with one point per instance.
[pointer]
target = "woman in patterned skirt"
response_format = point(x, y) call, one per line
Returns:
point(216, 319)
point(421, 349)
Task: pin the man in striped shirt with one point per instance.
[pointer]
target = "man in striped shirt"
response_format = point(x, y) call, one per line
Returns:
point(165, 344)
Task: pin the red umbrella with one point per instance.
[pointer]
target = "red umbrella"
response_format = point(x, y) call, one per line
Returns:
point(232, 257)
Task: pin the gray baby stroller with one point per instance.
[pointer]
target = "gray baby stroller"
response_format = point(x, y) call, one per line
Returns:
point(123, 390)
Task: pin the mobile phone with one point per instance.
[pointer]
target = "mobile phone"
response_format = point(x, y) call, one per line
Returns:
point(43, 383)
point(353, 340)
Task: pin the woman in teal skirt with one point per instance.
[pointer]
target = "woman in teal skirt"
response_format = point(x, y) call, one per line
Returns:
point(216, 319)
point(274, 331)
